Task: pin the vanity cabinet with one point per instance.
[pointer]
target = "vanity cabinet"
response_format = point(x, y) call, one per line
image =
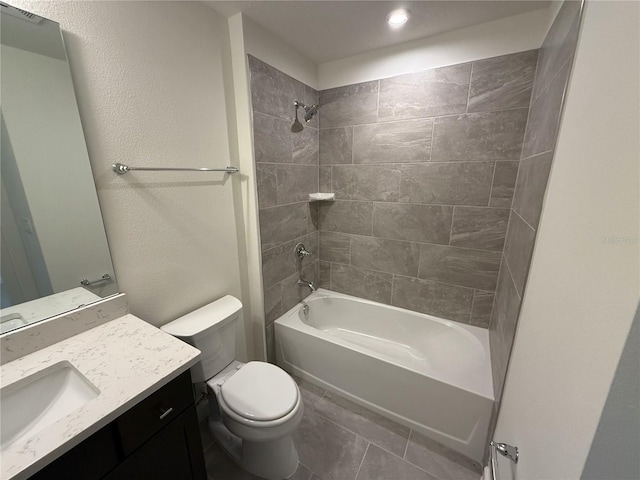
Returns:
point(157, 438)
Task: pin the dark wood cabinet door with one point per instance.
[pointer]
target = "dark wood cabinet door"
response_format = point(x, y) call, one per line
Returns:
point(152, 414)
point(173, 453)
point(157, 439)
point(91, 459)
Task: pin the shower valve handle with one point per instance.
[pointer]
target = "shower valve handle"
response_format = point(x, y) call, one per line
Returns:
point(301, 251)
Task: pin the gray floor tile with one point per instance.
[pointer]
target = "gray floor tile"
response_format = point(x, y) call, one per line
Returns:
point(440, 461)
point(379, 464)
point(311, 394)
point(327, 449)
point(339, 440)
point(302, 473)
point(373, 427)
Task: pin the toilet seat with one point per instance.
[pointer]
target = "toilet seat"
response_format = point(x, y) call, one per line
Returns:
point(259, 393)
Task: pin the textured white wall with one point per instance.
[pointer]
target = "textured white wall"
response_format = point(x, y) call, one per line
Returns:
point(267, 47)
point(517, 33)
point(148, 77)
point(241, 142)
point(583, 285)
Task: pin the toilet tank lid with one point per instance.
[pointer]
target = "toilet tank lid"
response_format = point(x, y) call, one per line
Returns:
point(217, 313)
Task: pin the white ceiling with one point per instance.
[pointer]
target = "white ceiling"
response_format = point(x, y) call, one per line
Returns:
point(330, 30)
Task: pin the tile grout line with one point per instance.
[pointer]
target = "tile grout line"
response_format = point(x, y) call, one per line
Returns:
point(407, 461)
point(403, 458)
point(342, 427)
point(352, 149)
point(393, 279)
point(311, 472)
point(330, 276)
point(495, 297)
point(493, 301)
point(551, 80)
point(432, 117)
point(399, 164)
point(378, 102)
point(417, 278)
point(330, 181)
point(351, 235)
point(362, 461)
point(473, 298)
point(406, 447)
point(433, 129)
point(294, 239)
point(469, 91)
point(370, 442)
point(506, 263)
point(419, 257)
point(535, 231)
point(493, 181)
point(453, 216)
point(531, 157)
point(398, 203)
point(317, 164)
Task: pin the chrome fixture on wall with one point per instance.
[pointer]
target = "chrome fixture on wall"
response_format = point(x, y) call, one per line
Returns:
point(309, 112)
point(103, 278)
point(305, 283)
point(300, 251)
point(121, 169)
point(504, 449)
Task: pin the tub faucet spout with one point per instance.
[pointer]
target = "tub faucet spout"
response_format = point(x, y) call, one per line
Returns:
point(304, 283)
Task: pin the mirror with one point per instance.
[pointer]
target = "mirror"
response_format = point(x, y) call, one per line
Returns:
point(54, 254)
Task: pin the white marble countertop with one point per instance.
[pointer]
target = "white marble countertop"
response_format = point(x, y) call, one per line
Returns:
point(45, 307)
point(126, 359)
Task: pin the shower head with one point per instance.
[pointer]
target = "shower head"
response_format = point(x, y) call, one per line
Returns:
point(309, 112)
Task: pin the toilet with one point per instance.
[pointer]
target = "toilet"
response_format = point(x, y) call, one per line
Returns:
point(254, 407)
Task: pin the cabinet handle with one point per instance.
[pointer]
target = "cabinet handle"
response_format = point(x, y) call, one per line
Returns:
point(166, 413)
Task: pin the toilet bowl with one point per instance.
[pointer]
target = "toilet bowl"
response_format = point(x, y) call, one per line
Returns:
point(252, 405)
point(254, 408)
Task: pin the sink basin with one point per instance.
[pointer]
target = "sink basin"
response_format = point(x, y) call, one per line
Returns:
point(33, 403)
point(11, 321)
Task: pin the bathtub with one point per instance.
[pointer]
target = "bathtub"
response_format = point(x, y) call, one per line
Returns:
point(427, 373)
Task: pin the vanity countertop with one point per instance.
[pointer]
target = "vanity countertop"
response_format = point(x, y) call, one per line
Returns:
point(126, 359)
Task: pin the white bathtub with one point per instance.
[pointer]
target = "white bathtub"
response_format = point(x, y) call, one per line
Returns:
point(427, 373)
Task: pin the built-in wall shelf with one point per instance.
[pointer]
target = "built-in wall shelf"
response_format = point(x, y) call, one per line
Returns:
point(322, 197)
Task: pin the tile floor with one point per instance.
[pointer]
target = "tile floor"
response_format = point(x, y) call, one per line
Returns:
point(339, 440)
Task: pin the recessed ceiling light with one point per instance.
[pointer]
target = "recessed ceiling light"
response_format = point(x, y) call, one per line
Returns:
point(398, 17)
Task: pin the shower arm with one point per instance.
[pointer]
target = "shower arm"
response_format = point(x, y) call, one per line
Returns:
point(307, 109)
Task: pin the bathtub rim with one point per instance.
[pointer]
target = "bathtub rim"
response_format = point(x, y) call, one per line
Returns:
point(480, 334)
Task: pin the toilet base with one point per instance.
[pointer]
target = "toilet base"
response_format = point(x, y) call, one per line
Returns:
point(272, 460)
point(275, 460)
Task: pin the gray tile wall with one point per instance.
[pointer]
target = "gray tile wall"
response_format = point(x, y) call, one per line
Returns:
point(439, 178)
point(550, 82)
point(286, 172)
point(424, 168)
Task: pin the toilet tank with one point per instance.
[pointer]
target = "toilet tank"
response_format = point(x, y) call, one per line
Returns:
point(212, 330)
